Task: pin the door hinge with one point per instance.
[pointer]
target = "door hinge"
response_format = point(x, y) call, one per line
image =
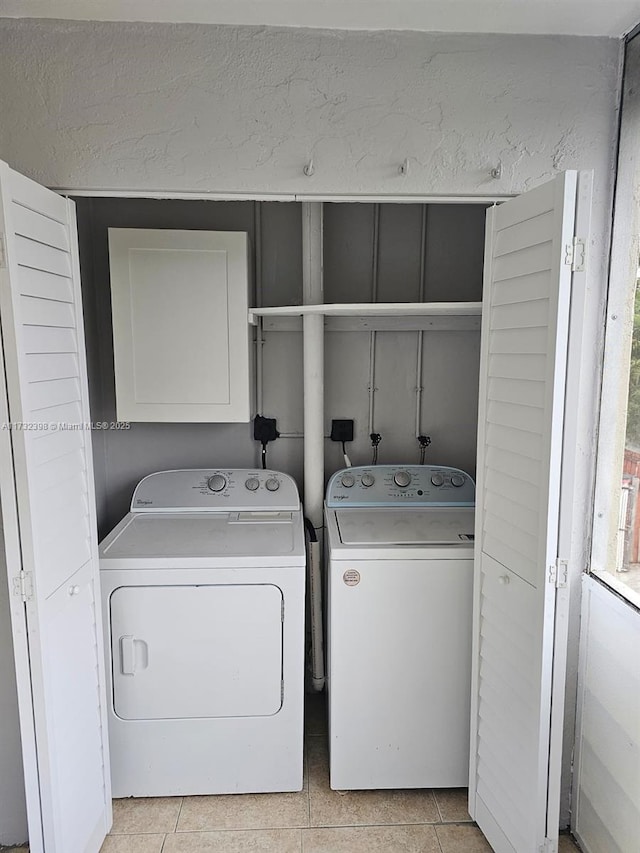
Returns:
point(282, 612)
point(575, 254)
point(3, 260)
point(559, 573)
point(282, 692)
point(23, 585)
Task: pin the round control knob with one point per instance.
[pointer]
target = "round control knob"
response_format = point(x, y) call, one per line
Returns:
point(367, 480)
point(457, 480)
point(402, 479)
point(217, 483)
point(252, 484)
point(272, 484)
point(347, 480)
point(437, 479)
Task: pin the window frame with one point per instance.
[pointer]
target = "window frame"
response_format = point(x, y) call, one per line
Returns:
point(618, 332)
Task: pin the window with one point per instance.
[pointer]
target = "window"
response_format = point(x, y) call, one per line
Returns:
point(616, 527)
point(627, 551)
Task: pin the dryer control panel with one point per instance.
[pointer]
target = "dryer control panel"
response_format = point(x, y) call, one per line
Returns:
point(216, 489)
point(394, 485)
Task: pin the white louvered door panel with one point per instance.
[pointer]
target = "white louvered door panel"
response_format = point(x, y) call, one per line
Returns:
point(527, 287)
point(50, 484)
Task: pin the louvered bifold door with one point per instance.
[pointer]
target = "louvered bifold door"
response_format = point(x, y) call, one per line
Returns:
point(50, 484)
point(527, 286)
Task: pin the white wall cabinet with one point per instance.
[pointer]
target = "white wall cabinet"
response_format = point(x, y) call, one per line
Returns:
point(180, 333)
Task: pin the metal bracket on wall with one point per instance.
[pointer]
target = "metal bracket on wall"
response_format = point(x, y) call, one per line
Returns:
point(23, 585)
point(575, 254)
point(559, 574)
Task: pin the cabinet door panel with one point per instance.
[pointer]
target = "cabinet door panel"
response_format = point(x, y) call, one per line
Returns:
point(180, 324)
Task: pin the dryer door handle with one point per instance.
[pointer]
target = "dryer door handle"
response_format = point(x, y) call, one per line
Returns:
point(128, 655)
point(134, 654)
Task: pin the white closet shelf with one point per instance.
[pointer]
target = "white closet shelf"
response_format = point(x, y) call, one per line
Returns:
point(371, 309)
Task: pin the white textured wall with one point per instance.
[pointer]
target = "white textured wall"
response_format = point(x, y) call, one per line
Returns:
point(607, 779)
point(241, 109)
point(182, 107)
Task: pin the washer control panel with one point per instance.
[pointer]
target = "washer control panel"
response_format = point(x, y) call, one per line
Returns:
point(222, 489)
point(392, 485)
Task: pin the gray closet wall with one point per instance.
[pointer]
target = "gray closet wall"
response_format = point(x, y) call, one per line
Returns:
point(453, 272)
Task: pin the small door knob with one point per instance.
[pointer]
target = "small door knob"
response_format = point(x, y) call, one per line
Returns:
point(74, 590)
point(504, 579)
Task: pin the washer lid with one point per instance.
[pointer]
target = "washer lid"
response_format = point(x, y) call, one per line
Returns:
point(436, 526)
point(235, 534)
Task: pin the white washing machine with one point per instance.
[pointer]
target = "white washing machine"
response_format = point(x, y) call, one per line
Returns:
point(203, 595)
point(400, 576)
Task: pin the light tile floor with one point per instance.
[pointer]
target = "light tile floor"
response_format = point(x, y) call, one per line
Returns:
point(314, 820)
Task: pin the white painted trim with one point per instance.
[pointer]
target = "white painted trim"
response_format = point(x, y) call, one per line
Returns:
point(609, 579)
point(370, 309)
point(395, 323)
point(172, 194)
point(554, 17)
point(199, 195)
point(408, 198)
point(481, 438)
point(618, 323)
point(567, 516)
point(93, 521)
point(582, 663)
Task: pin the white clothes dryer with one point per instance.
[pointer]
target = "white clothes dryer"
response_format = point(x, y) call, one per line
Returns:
point(400, 576)
point(203, 596)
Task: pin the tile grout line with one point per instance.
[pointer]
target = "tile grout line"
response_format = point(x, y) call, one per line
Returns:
point(302, 826)
point(370, 825)
point(230, 829)
point(164, 838)
point(437, 806)
point(175, 828)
